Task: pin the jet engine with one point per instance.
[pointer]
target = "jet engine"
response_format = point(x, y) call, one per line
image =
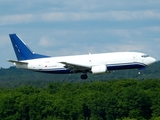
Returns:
point(98, 69)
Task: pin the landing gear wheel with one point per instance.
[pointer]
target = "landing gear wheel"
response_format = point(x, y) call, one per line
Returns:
point(84, 76)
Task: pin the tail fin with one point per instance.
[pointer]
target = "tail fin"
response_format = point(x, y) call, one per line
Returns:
point(22, 51)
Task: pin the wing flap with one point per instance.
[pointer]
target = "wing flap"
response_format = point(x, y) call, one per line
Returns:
point(75, 67)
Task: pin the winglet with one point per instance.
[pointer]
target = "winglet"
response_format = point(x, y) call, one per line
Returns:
point(22, 51)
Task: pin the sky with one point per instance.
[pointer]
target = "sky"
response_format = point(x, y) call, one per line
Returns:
point(73, 27)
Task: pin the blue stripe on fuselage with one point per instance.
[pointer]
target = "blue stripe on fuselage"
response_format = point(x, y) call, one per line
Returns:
point(123, 66)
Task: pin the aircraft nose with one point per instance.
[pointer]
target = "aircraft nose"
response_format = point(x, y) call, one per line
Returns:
point(152, 60)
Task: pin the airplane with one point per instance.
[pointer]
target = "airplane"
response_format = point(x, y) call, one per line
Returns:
point(87, 63)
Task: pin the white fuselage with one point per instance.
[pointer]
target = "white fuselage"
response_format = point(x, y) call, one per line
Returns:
point(112, 61)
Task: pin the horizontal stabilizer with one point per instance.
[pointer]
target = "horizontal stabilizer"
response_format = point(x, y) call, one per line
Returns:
point(18, 62)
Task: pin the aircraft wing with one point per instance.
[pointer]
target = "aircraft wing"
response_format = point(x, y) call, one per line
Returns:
point(75, 67)
point(18, 62)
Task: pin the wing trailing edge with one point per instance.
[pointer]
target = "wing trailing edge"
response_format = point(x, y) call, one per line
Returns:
point(75, 67)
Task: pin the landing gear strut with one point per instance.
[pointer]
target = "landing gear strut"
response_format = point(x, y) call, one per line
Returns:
point(84, 76)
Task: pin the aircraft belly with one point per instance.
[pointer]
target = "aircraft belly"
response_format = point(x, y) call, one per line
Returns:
point(123, 66)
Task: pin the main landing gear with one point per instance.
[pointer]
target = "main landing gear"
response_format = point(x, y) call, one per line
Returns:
point(84, 76)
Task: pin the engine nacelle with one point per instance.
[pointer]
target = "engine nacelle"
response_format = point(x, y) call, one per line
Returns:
point(99, 69)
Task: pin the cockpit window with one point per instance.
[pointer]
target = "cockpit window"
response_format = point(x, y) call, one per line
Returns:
point(144, 56)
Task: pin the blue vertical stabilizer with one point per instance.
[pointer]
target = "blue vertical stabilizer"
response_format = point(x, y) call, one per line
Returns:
point(22, 51)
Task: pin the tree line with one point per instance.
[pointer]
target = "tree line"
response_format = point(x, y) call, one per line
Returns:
point(98, 100)
point(27, 95)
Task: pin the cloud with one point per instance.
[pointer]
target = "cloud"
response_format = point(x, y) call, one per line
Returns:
point(154, 28)
point(45, 42)
point(80, 16)
point(15, 19)
point(51, 42)
point(126, 47)
point(82, 26)
point(108, 15)
point(3, 41)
